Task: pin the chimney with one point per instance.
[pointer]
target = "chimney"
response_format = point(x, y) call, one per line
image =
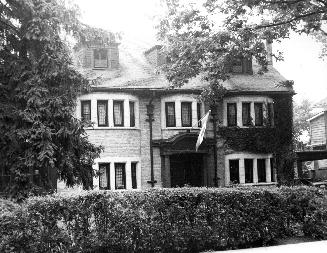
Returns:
point(269, 52)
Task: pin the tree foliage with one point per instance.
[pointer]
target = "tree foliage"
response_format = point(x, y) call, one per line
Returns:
point(38, 91)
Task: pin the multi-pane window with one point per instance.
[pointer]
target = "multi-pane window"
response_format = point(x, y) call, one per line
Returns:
point(198, 110)
point(234, 171)
point(118, 108)
point(104, 176)
point(261, 166)
point(258, 112)
point(237, 66)
point(231, 114)
point(248, 166)
point(246, 114)
point(120, 176)
point(186, 114)
point(102, 113)
point(170, 114)
point(132, 114)
point(100, 58)
point(86, 110)
point(134, 177)
point(270, 108)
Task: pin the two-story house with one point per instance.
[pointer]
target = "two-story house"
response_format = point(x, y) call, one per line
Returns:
point(149, 130)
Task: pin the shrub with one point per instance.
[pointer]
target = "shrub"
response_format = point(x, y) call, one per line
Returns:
point(161, 220)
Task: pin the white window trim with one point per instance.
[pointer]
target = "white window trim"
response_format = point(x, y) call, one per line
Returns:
point(128, 171)
point(255, 157)
point(110, 97)
point(246, 99)
point(178, 99)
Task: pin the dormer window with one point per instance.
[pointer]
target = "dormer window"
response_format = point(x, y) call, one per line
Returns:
point(241, 65)
point(100, 58)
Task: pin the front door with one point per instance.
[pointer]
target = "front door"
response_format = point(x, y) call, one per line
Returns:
point(186, 169)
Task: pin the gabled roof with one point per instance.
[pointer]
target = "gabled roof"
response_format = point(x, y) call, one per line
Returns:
point(316, 116)
point(136, 73)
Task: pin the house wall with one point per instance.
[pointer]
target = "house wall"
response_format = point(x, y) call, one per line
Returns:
point(318, 131)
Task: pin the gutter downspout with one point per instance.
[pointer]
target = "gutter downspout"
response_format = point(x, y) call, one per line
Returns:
point(149, 109)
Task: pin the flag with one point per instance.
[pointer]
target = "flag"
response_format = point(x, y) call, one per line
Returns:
point(202, 131)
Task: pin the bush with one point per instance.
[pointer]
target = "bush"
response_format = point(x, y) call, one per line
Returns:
point(161, 220)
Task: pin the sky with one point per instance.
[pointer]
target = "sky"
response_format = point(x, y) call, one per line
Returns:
point(135, 18)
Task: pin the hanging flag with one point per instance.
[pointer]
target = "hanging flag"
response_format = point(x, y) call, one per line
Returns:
point(203, 129)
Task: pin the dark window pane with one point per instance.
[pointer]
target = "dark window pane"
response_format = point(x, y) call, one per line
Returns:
point(102, 113)
point(170, 114)
point(198, 109)
point(258, 111)
point(270, 114)
point(231, 114)
point(120, 176)
point(186, 114)
point(248, 165)
point(234, 171)
point(246, 114)
point(237, 66)
point(272, 169)
point(118, 113)
point(132, 114)
point(86, 110)
point(134, 180)
point(100, 58)
point(104, 176)
point(261, 166)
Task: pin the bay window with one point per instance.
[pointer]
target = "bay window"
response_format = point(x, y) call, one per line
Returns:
point(186, 108)
point(120, 176)
point(118, 111)
point(258, 112)
point(102, 113)
point(132, 114)
point(170, 114)
point(231, 114)
point(246, 114)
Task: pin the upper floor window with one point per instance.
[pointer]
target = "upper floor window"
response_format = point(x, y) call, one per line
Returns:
point(100, 58)
point(270, 114)
point(186, 114)
point(231, 114)
point(118, 107)
point(86, 110)
point(132, 113)
point(102, 113)
point(246, 114)
point(258, 113)
point(170, 114)
point(120, 177)
point(242, 65)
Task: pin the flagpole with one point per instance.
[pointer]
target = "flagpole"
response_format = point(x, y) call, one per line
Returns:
point(196, 124)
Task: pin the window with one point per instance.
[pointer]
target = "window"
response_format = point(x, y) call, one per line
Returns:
point(100, 58)
point(170, 114)
point(134, 181)
point(104, 176)
point(237, 66)
point(258, 112)
point(86, 110)
point(120, 176)
point(102, 113)
point(248, 166)
point(261, 166)
point(132, 114)
point(186, 114)
point(234, 171)
point(231, 114)
point(198, 110)
point(118, 113)
point(272, 169)
point(246, 114)
point(270, 114)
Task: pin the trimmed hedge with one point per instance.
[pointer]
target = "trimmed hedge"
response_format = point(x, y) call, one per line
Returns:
point(162, 220)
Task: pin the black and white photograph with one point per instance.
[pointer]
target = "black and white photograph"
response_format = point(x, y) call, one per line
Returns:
point(163, 126)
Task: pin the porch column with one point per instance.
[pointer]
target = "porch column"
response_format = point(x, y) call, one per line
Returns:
point(167, 171)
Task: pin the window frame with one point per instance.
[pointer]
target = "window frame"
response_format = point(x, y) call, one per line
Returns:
point(121, 102)
point(131, 115)
point(189, 105)
point(105, 102)
point(83, 103)
point(107, 60)
point(238, 174)
point(229, 117)
point(123, 175)
point(259, 116)
point(249, 120)
point(166, 114)
point(134, 175)
point(107, 174)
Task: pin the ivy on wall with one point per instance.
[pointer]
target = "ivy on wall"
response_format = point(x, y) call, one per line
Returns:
point(277, 140)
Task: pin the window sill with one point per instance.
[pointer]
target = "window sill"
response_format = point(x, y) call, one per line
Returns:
point(181, 128)
point(112, 128)
point(260, 184)
point(252, 126)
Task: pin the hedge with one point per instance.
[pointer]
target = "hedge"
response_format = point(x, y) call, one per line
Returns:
point(162, 220)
